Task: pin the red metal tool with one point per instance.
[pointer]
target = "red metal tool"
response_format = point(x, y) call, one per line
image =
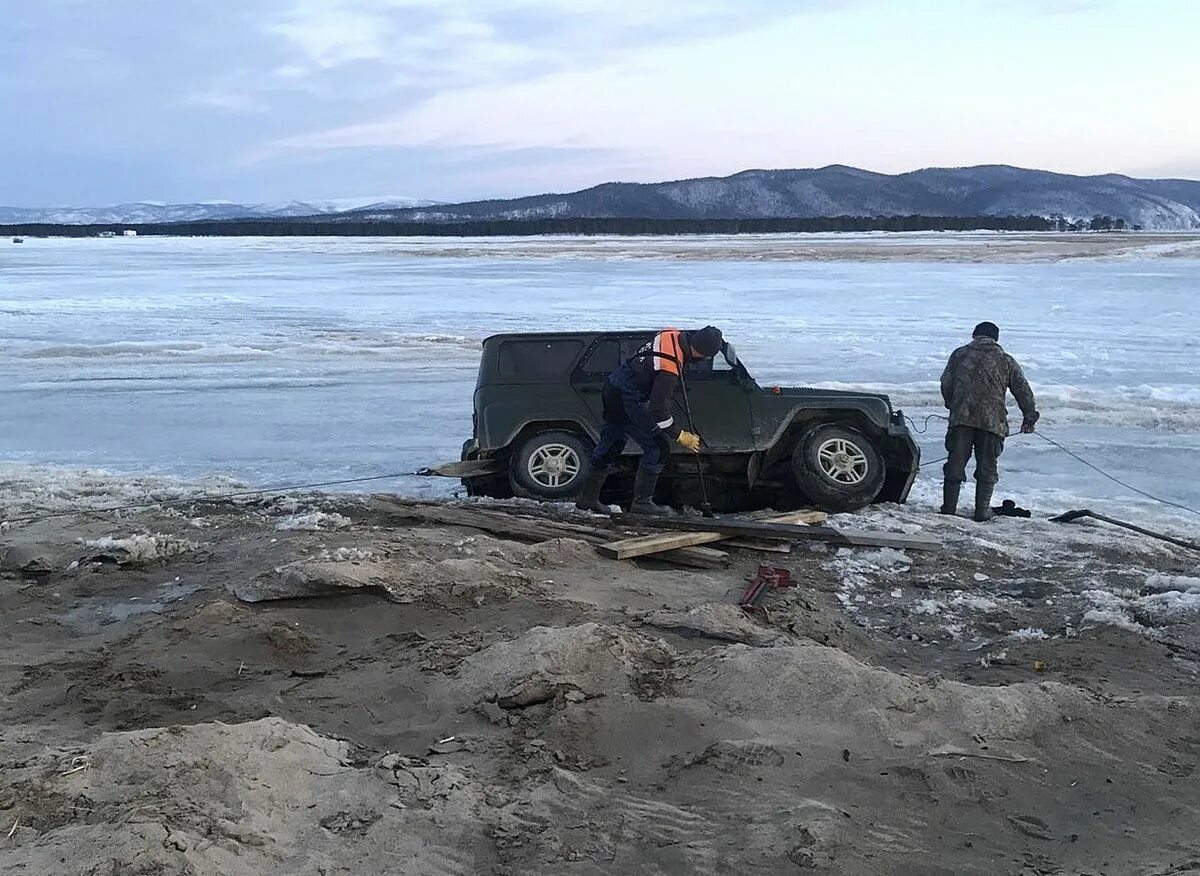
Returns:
point(768, 578)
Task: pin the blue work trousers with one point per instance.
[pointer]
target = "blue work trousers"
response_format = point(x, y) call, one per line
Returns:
point(626, 415)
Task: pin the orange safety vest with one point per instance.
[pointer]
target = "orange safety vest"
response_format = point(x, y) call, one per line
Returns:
point(667, 351)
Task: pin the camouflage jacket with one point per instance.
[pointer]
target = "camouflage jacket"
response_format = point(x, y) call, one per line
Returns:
point(974, 385)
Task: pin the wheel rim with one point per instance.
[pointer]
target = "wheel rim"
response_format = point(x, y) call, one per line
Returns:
point(843, 461)
point(553, 465)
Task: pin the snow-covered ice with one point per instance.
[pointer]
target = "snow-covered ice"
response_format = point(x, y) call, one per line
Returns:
point(283, 361)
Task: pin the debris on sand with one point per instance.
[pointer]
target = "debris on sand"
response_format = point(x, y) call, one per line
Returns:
point(313, 521)
point(470, 580)
point(714, 620)
point(304, 580)
point(469, 711)
point(267, 796)
point(138, 549)
point(557, 552)
point(31, 560)
point(594, 659)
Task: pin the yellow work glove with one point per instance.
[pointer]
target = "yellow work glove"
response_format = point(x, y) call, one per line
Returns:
point(689, 441)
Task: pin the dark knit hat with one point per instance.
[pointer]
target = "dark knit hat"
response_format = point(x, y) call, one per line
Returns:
point(987, 330)
point(707, 341)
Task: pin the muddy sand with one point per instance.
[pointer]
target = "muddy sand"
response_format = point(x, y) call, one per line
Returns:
point(448, 701)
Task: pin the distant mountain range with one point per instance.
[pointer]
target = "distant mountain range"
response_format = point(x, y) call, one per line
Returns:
point(150, 212)
point(988, 190)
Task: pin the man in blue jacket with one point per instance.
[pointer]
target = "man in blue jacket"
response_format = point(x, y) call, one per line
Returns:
point(637, 404)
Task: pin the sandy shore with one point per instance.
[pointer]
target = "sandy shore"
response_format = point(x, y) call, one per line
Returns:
point(1022, 701)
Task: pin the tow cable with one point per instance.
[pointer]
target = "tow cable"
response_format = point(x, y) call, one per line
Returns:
point(1071, 453)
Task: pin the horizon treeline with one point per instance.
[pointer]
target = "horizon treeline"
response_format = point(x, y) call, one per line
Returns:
point(581, 226)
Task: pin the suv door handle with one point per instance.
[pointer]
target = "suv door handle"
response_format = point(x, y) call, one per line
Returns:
point(589, 390)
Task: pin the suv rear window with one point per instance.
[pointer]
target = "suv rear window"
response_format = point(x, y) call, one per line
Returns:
point(537, 359)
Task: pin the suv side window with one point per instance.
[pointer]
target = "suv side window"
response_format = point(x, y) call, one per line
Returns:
point(709, 369)
point(537, 360)
point(603, 360)
point(607, 356)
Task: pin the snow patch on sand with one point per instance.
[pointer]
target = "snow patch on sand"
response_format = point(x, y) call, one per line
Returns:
point(313, 521)
point(1113, 618)
point(1165, 600)
point(30, 490)
point(974, 603)
point(929, 606)
point(859, 571)
point(139, 548)
point(1029, 633)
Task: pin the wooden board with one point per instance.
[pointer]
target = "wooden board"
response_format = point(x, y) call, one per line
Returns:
point(628, 548)
point(493, 522)
point(644, 545)
point(734, 527)
point(696, 557)
point(468, 468)
point(506, 524)
point(756, 544)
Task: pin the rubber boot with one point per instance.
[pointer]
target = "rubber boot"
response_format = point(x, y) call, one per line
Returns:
point(983, 502)
point(644, 485)
point(589, 496)
point(950, 491)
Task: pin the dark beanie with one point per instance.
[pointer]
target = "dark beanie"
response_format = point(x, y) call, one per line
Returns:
point(987, 330)
point(707, 341)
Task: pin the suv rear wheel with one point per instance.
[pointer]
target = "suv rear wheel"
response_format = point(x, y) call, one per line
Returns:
point(839, 469)
point(551, 465)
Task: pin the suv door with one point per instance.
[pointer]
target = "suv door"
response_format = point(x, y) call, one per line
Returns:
point(720, 399)
point(592, 373)
point(720, 403)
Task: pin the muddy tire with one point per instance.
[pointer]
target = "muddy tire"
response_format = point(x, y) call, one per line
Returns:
point(838, 468)
point(551, 465)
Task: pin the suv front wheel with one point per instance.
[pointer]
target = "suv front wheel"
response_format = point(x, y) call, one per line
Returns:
point(838, 468)
point(551, 465)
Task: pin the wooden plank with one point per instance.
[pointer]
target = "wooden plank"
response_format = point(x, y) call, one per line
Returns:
point(566, 527)
point(642, 545)
point(468, 468)
point(627, 549)
point(805, 515)
point(763, 529)
point(696, 557)
point(503, 525)
point(754, 544)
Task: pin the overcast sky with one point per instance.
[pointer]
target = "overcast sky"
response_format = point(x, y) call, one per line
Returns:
point(107, 101)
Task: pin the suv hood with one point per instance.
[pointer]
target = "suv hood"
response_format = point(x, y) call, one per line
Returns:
point(813, 392)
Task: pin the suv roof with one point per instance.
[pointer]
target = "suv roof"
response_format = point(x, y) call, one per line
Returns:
point(550, 357)
point(585, 335)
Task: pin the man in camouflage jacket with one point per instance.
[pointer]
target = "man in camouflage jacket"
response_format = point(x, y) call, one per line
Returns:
point(974, 385)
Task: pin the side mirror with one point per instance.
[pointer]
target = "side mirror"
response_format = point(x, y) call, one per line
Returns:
point(730, 354)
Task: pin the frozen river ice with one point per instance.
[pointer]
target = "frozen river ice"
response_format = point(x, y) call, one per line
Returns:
point(291, 360)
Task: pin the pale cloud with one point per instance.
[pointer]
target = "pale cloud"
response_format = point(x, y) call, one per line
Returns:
point(227, 100)
point(482, 40)
point(330, 34)
point(470, 98)
point(796, 92)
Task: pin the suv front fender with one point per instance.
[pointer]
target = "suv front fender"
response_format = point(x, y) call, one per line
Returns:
point(777, 419)
point(874, 417)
